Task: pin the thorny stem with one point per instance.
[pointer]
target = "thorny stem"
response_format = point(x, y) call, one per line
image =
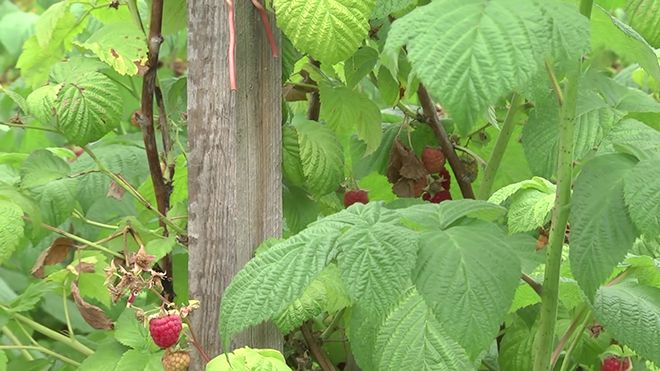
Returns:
point(445, 143)
point(231, 49)
point(500, 147)
point(266, 23)
point(162, 189)
point(42, 350)
point(550, 298)
point(546, 332)
point(14, 339)
point(314, 347)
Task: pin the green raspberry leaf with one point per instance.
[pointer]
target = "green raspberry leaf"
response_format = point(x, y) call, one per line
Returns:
point(631, 313)
point(121, 45)
point(601, 229)
point(88, 107)
point(11, 220)
point(411, 336)
point(329, 30)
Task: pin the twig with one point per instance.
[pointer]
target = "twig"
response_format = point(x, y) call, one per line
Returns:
point(195, 343)
point(314, 347)
point(555, 84)
point(149, 90)
point(333, 326)
point(78, 239)
point(445, 143)
point(67, 317)
point(408, 112)
point(72, 343)
point(42, 350)
point(147, 102)
point(537, 287)
point(500, 147)
point(167, 140)
point(231, 49)
point(266, 23)
point(314, 108)
point(14, 339)
point(560, 212)
point(13, 125)
point(569, 352)
point(472, 154)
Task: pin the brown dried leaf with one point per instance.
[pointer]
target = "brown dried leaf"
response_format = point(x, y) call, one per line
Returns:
point(84, 267)
point(115, 191)
point(55, 253)
point(409, 187)
point(404, 164)
point(92, 314)
point(292, 93)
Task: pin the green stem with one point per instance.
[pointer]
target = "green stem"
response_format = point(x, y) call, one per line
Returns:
point(579, 317)
point(79, 239)
point(14, 339)
point(576, 340)
point(543, 343)
point(30, 127)
point(500, 146)
point(134, 192)
point(550, 298)
point(72, 343)
point(42, 350)
point(79, 215)
point(133, 8)
point(66, 314)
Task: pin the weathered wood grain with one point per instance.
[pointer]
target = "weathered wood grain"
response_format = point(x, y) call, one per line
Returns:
point(234, 164)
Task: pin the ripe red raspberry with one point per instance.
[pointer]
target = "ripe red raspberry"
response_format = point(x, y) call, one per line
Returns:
point(165, 330)
point(614, 363)
point(433, 159)
point(356, 195)
point(441, 196)
point(445, 178)
point(176, 361)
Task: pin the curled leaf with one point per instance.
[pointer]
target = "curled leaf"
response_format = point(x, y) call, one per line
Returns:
point(55, 253)
point(92, 314)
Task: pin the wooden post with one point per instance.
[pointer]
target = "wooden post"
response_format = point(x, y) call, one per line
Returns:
point(234, 165)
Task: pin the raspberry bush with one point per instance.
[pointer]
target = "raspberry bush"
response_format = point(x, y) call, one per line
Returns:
point(467, 185)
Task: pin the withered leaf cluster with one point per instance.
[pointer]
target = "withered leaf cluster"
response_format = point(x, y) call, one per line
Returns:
point(405, 171)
